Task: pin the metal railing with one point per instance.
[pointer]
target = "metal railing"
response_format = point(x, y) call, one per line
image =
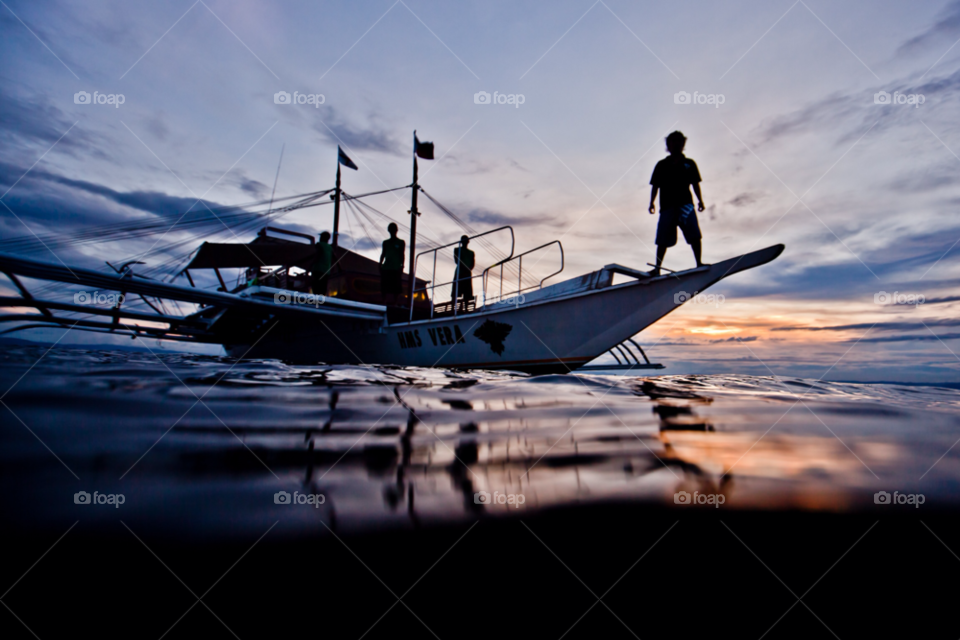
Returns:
point(431, 284)
point(519, 259)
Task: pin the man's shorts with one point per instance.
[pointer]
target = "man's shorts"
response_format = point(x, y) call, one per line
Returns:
point(391, 282)
point(684, 217)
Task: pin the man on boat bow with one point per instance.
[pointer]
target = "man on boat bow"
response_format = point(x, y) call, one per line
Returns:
point(672, 177)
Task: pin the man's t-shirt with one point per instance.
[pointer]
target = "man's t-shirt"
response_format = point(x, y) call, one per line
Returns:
point(393, 249)
point(464, 259)
point(673, 179)
point(324, 260)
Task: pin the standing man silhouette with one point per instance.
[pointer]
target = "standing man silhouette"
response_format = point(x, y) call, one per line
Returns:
point(323, 263)
point(463, 279)
point(673, 176)
point(391, 265)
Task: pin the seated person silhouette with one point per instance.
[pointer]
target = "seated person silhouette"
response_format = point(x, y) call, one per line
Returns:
point(673, 176)
point(463, 279)
point(391, 267)
point(322, 264)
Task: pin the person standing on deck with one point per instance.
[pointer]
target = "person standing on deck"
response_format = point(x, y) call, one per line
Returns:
point(672, 177)
point(323, 263)
point(463, 279)
point(391, 265)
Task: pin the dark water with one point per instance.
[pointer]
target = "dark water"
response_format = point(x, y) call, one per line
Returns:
point(199, 446)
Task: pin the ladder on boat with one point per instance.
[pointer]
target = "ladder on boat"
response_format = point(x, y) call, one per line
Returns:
point(626, 361)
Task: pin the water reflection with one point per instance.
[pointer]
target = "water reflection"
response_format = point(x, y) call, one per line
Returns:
point(413, 447)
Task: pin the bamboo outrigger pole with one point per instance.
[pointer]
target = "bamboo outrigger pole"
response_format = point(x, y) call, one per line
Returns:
point(336, 207)
point(413, 221)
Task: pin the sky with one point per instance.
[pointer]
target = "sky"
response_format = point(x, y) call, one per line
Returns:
point(828, 127)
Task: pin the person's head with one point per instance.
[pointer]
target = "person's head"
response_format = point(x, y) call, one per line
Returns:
point(675, 142)
point(393, 228)
point(464, 241)
point(325, 237)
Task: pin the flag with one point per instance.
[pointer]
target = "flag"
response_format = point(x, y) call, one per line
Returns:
point(344, 159)
point(423, 149)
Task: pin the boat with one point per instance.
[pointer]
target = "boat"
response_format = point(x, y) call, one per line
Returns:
point(544, 326)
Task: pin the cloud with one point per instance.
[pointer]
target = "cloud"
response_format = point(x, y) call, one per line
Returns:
point(919, 338)
point(735, 339)
point(880, 326)
point(496, 219)
point(947, 24)
point(26, 121)
point(744, 199)
point(154, 202)
point(336, 130)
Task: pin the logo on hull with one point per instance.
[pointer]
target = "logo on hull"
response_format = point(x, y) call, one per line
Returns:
point(494, 333)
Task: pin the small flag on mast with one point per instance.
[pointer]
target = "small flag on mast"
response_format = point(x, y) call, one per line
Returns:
point(423, 149)
point(344, 159)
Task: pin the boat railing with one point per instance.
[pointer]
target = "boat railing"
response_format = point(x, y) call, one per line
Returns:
point(519, 260)
point(431, 284)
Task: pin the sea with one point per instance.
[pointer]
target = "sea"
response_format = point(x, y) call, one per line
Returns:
point(174, 456)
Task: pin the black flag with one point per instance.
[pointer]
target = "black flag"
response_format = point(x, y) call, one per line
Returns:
point(423, 149)
point(345, 160)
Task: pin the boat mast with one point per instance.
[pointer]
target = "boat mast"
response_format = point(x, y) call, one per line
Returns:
point(413, 219)
point(336, 207)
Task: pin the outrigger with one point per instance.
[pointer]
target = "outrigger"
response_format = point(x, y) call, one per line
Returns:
point(513, 324)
